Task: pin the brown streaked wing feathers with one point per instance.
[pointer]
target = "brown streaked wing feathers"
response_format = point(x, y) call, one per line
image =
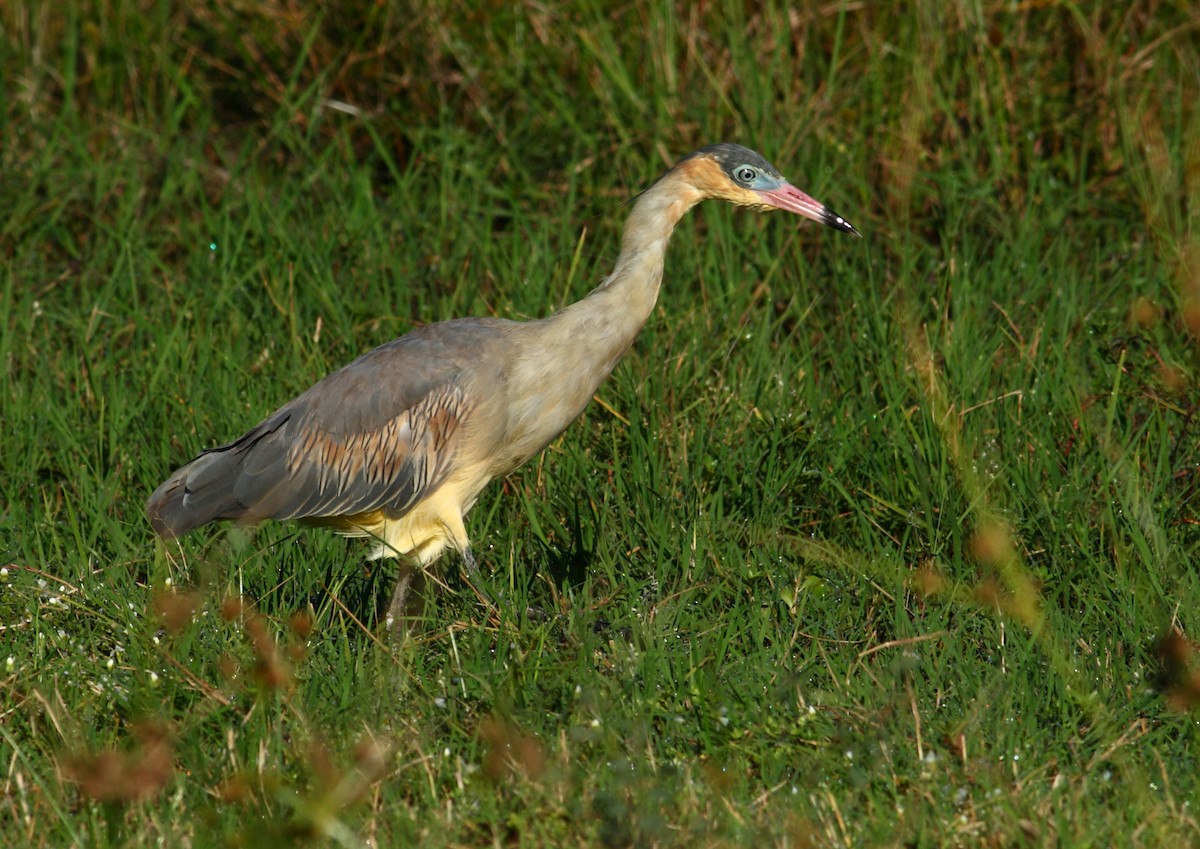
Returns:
point(388, 468)
point(377, 435)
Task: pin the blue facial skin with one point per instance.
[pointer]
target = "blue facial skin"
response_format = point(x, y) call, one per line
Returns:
point(749, 170)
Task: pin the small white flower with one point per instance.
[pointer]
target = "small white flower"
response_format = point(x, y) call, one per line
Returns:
point(153, 679)
point(10, 663)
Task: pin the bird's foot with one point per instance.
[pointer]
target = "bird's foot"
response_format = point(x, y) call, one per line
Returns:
point(536, 613)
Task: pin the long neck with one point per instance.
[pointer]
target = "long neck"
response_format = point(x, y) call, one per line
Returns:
point(602, 326)
point(564, 358)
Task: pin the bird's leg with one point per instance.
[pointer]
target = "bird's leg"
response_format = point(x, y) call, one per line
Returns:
point(476, 580)
point(397, 609)
point(533, 612)
point(472, 567)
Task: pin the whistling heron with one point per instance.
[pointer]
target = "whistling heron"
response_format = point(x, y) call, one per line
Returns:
point(397, 445)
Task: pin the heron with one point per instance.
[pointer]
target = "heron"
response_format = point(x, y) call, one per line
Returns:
point(397, 446)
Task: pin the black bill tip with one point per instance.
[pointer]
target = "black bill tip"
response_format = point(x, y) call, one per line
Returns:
point(832, 219)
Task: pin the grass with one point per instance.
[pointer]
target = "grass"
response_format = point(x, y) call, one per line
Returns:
point(879, 542)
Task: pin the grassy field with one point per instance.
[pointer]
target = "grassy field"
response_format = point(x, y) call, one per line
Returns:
point(890, 541)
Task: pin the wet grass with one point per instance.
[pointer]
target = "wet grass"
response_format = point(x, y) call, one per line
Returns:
point(889, 541)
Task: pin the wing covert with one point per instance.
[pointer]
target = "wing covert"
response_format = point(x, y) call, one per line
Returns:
point(378, 435)
point(334, 472)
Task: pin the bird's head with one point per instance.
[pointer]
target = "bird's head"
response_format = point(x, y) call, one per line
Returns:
point(742, 177)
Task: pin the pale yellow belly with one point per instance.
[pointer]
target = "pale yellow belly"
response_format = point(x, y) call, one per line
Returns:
point(423, 533)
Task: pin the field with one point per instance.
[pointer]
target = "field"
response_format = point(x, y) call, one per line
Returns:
point(878, 542)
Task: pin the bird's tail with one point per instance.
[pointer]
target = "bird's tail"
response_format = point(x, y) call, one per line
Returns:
point(197, 493)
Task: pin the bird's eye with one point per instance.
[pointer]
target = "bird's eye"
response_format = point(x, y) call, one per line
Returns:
point(745, 174)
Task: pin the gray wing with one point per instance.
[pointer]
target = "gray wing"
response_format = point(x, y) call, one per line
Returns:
point(379, 434)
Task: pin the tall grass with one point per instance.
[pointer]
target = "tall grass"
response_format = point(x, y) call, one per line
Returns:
point(879, 542)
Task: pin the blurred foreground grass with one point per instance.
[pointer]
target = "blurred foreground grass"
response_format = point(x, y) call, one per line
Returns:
point(880, 542)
